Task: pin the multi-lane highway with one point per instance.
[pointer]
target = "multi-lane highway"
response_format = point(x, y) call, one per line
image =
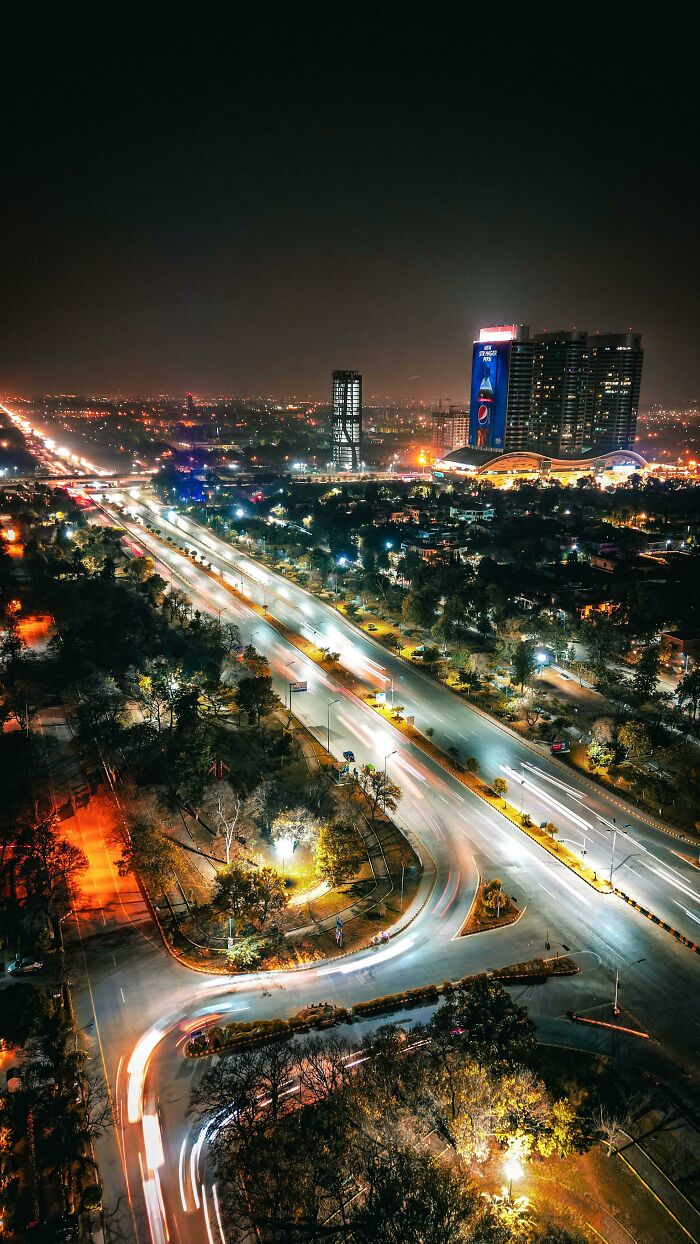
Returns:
point(462, 836)
point(139, 1003)
point(659, 870)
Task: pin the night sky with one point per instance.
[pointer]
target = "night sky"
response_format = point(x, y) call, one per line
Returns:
point(240, 208)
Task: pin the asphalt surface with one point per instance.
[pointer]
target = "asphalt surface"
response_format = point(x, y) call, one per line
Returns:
point(463, 836)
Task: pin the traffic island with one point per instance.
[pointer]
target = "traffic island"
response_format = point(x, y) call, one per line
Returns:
point(242, 1034)
point(491, 909)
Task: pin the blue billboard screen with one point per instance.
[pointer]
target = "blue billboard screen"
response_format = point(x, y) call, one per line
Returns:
point(489, 394)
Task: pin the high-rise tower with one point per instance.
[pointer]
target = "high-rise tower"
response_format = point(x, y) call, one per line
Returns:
point(500, 388)
point(347, 421)
point(559, 407)
point(615, 377)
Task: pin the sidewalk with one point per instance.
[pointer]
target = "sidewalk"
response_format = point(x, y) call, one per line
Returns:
point(686, 1216)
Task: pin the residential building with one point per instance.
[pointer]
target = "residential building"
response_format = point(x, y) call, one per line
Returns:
point(559, 406)
point(450, 429)
point(615, 377)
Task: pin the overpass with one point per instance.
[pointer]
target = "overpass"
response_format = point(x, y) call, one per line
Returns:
point(78, 480)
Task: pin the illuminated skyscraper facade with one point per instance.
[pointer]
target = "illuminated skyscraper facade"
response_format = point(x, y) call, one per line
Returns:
point(615, 373)
point(346, 431)
point(564, 393)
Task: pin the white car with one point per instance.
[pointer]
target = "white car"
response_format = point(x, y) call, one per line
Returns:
point(22, 967)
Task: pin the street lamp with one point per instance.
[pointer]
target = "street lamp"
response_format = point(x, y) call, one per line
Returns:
point(328, 725)
point(612, 853)
point(618, 974)
point(387, 757)
point(284, 848)
point(512, 1169)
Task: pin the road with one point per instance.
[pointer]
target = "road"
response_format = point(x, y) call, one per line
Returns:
point(655, 868)
point(465, 838)
point(136, 1003)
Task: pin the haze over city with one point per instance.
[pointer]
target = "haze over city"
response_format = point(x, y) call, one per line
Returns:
point(179, 213)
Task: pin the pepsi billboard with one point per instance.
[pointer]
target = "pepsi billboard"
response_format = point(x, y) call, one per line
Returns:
point(489, 394)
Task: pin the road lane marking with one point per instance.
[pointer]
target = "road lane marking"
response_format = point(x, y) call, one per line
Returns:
point(688, 913)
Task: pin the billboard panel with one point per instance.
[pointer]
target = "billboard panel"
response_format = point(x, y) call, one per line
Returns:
point(489, 394)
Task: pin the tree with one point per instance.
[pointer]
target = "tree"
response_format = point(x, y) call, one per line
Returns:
point(296, 824)
point(230, 638)
point(157, 690)
point(411, 1198)
point(494, 898)
point(339, 852)
point(148, 852)
point(255, 662)
point(248, 896)
point(419, 607)
point(646, 673)
point(471, 765)
point(255, 696)
point(48, 865)
point(500, 787)
point(378, 788)
point(485, 1023)
point(603, 639)
point(224, 806)
point(101, 710)
point(688, 692)
point(634, 737)
point(600, 756)
point(523, 663)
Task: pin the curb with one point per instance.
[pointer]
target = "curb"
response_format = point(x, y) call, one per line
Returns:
point(680, 937)
point(601, 1023)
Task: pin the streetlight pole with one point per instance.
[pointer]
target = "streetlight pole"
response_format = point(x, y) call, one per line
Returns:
point(616, 1006)
point(387, 757)
point(612, 856)
point(328, 724)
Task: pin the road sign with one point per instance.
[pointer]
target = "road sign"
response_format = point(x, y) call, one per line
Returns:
point(297, 686)
point(229, 943)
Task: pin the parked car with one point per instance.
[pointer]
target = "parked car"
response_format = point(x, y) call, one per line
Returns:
point(25, 965)
point(558, 746)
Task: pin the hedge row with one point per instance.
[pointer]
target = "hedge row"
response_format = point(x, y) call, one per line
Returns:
point(243, 1034)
